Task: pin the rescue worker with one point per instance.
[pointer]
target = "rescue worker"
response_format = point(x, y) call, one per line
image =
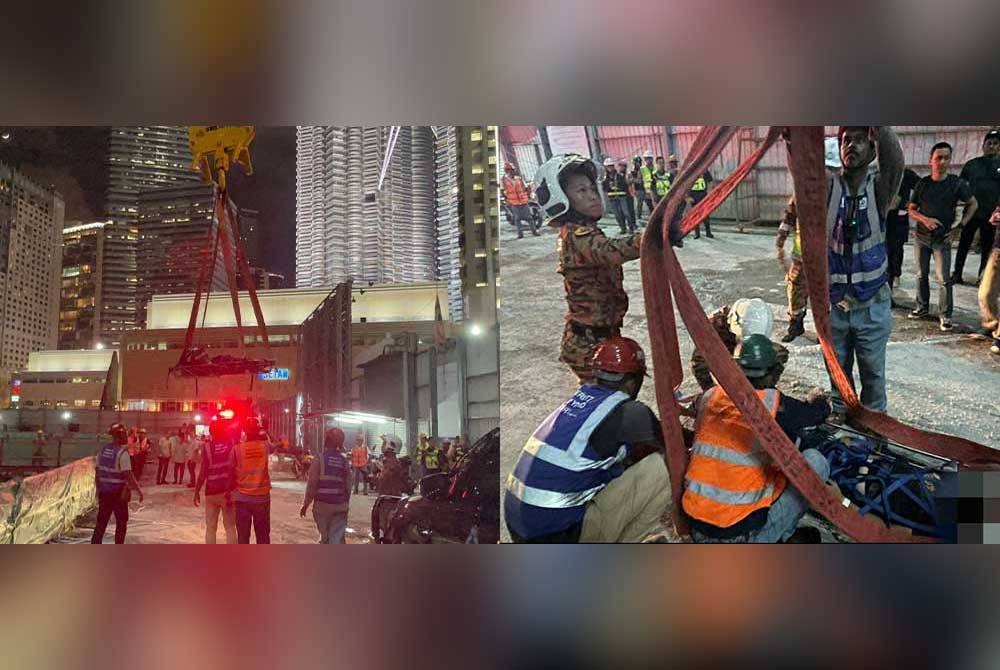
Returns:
point(733, 492)
point(114, 481)
point(702, 185)
point(637, 182)
point(795, 279)
point(215, 477)
point(860, 299)
point(732, 323)
point(594, 470)
point(590, 263)
point(616, 188)
point(989, 287)
point(630, 220)
point(983, 176)
point(430, 456)
point(329, 484)
point(251, 481)
point(662, 180)
point(359, 462)
point(648, 168)
point(516, 194)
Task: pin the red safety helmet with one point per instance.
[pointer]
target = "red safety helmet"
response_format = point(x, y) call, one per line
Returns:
point(619, 355)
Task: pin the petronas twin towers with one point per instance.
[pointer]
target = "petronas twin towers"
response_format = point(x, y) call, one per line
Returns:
point(362, 217)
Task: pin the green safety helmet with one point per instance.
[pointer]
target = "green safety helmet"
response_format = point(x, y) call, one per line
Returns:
point(756, 356)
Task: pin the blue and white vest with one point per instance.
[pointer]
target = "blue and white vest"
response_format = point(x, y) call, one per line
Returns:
point(558, 471)
point(858, 272)
point(334, 475)
point(219, 475)
point(109, 479)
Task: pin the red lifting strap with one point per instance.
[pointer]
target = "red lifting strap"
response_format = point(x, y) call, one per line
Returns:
point(663, 280)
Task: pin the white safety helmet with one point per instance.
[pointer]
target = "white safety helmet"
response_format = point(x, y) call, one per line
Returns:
point(609, 161)
point(751, 317)
point(648, 154)
point(551, 197)
point(832, 150)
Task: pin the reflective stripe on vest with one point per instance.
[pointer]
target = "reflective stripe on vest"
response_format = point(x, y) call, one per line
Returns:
point(515, 191)
point(558, 468)
point(109, 478)
point(662, 183)
point(866, 269)
point(218, 476)
point(727, 478)
point(359, 457)
point(699, 184)
point(252, 475)
point(647, 177)
point(333, 479)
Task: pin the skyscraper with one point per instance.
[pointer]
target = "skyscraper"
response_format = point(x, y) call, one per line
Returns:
point(80, 294)
point(31, 223)
point(360, 218)
point(141, 158)
point(175, 228)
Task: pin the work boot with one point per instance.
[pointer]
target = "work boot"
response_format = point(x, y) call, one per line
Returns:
point(795, 328)
point(710, 236)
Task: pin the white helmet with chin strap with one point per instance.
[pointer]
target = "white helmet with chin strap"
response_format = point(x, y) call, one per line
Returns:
point(751, 317)
point(550, 194)
point(832, 152)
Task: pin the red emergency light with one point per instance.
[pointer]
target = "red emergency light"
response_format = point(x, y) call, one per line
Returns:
point(227, 414)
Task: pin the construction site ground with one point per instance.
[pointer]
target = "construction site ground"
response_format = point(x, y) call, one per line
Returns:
point(945, 382)
point(168, 515)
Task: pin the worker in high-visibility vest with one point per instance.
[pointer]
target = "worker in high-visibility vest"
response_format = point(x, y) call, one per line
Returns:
point(114, 480)
point(214, 476)
point(430, 456)
point(662, 180)
point(702, 185)
point(516, 195)
point(359, 463)
point(615, 186)
point(329, 485)
point(251, 475)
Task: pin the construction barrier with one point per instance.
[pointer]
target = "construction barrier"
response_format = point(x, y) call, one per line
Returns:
point(38, 508)
point(19, 448)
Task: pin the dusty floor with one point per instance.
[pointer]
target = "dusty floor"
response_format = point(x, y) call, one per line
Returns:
point(947, 382)
point(168, 516)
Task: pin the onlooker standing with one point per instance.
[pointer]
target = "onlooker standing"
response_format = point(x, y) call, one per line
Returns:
point(638, 180)
point(616, 188)
point(515, 193)
point(163, 458)
point(702, 185)
point(630, 219)
point(141, 451)
point(933, 208)
point(178, 453)
point(983, 175)
point(989, 287)
point(897, 225)
point(329, 485)
point(193, 456)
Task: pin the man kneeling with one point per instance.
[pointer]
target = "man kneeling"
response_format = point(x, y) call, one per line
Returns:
point(594, 470)
point(733, 492)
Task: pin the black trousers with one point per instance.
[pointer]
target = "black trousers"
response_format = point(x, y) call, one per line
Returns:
point(897, 231)
point(178, 473)
point(108, 504)
point(986, 233)
point(161, 470)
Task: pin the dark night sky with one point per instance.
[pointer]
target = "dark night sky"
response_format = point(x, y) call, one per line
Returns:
point(74, 159)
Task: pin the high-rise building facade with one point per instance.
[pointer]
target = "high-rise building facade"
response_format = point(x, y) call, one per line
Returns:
point(80, 291)
point(176, 229)
point(140, 158)
point(361, 217)
point(31, 223)
point(479, 213)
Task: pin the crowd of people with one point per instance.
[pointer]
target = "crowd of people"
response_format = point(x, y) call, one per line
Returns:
point(594, 470)
point(232, 465)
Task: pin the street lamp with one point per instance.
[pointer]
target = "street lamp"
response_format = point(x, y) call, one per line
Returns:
point(66, 416)
point(99, 345)
point(197, 417)
point(287, 410)
point(475, 330)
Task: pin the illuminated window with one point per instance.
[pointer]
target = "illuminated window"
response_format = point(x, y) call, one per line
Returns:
point(476, 136)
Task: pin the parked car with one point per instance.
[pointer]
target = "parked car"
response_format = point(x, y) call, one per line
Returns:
point(461, 506)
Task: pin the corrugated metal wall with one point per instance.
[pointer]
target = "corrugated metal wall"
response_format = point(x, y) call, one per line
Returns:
point(628, 141)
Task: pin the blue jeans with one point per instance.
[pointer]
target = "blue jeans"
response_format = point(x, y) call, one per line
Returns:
point(359, 478)
point(620, 208)
point(522, 213)
point(942, 272)
point(791, 506)
point(331, 522)
point(257, 513)
point(862, 333)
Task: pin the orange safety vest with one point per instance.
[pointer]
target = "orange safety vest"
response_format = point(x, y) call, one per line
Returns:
point(517, 193)
point(359, 457)
point(728, 478)
point(252, 475)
